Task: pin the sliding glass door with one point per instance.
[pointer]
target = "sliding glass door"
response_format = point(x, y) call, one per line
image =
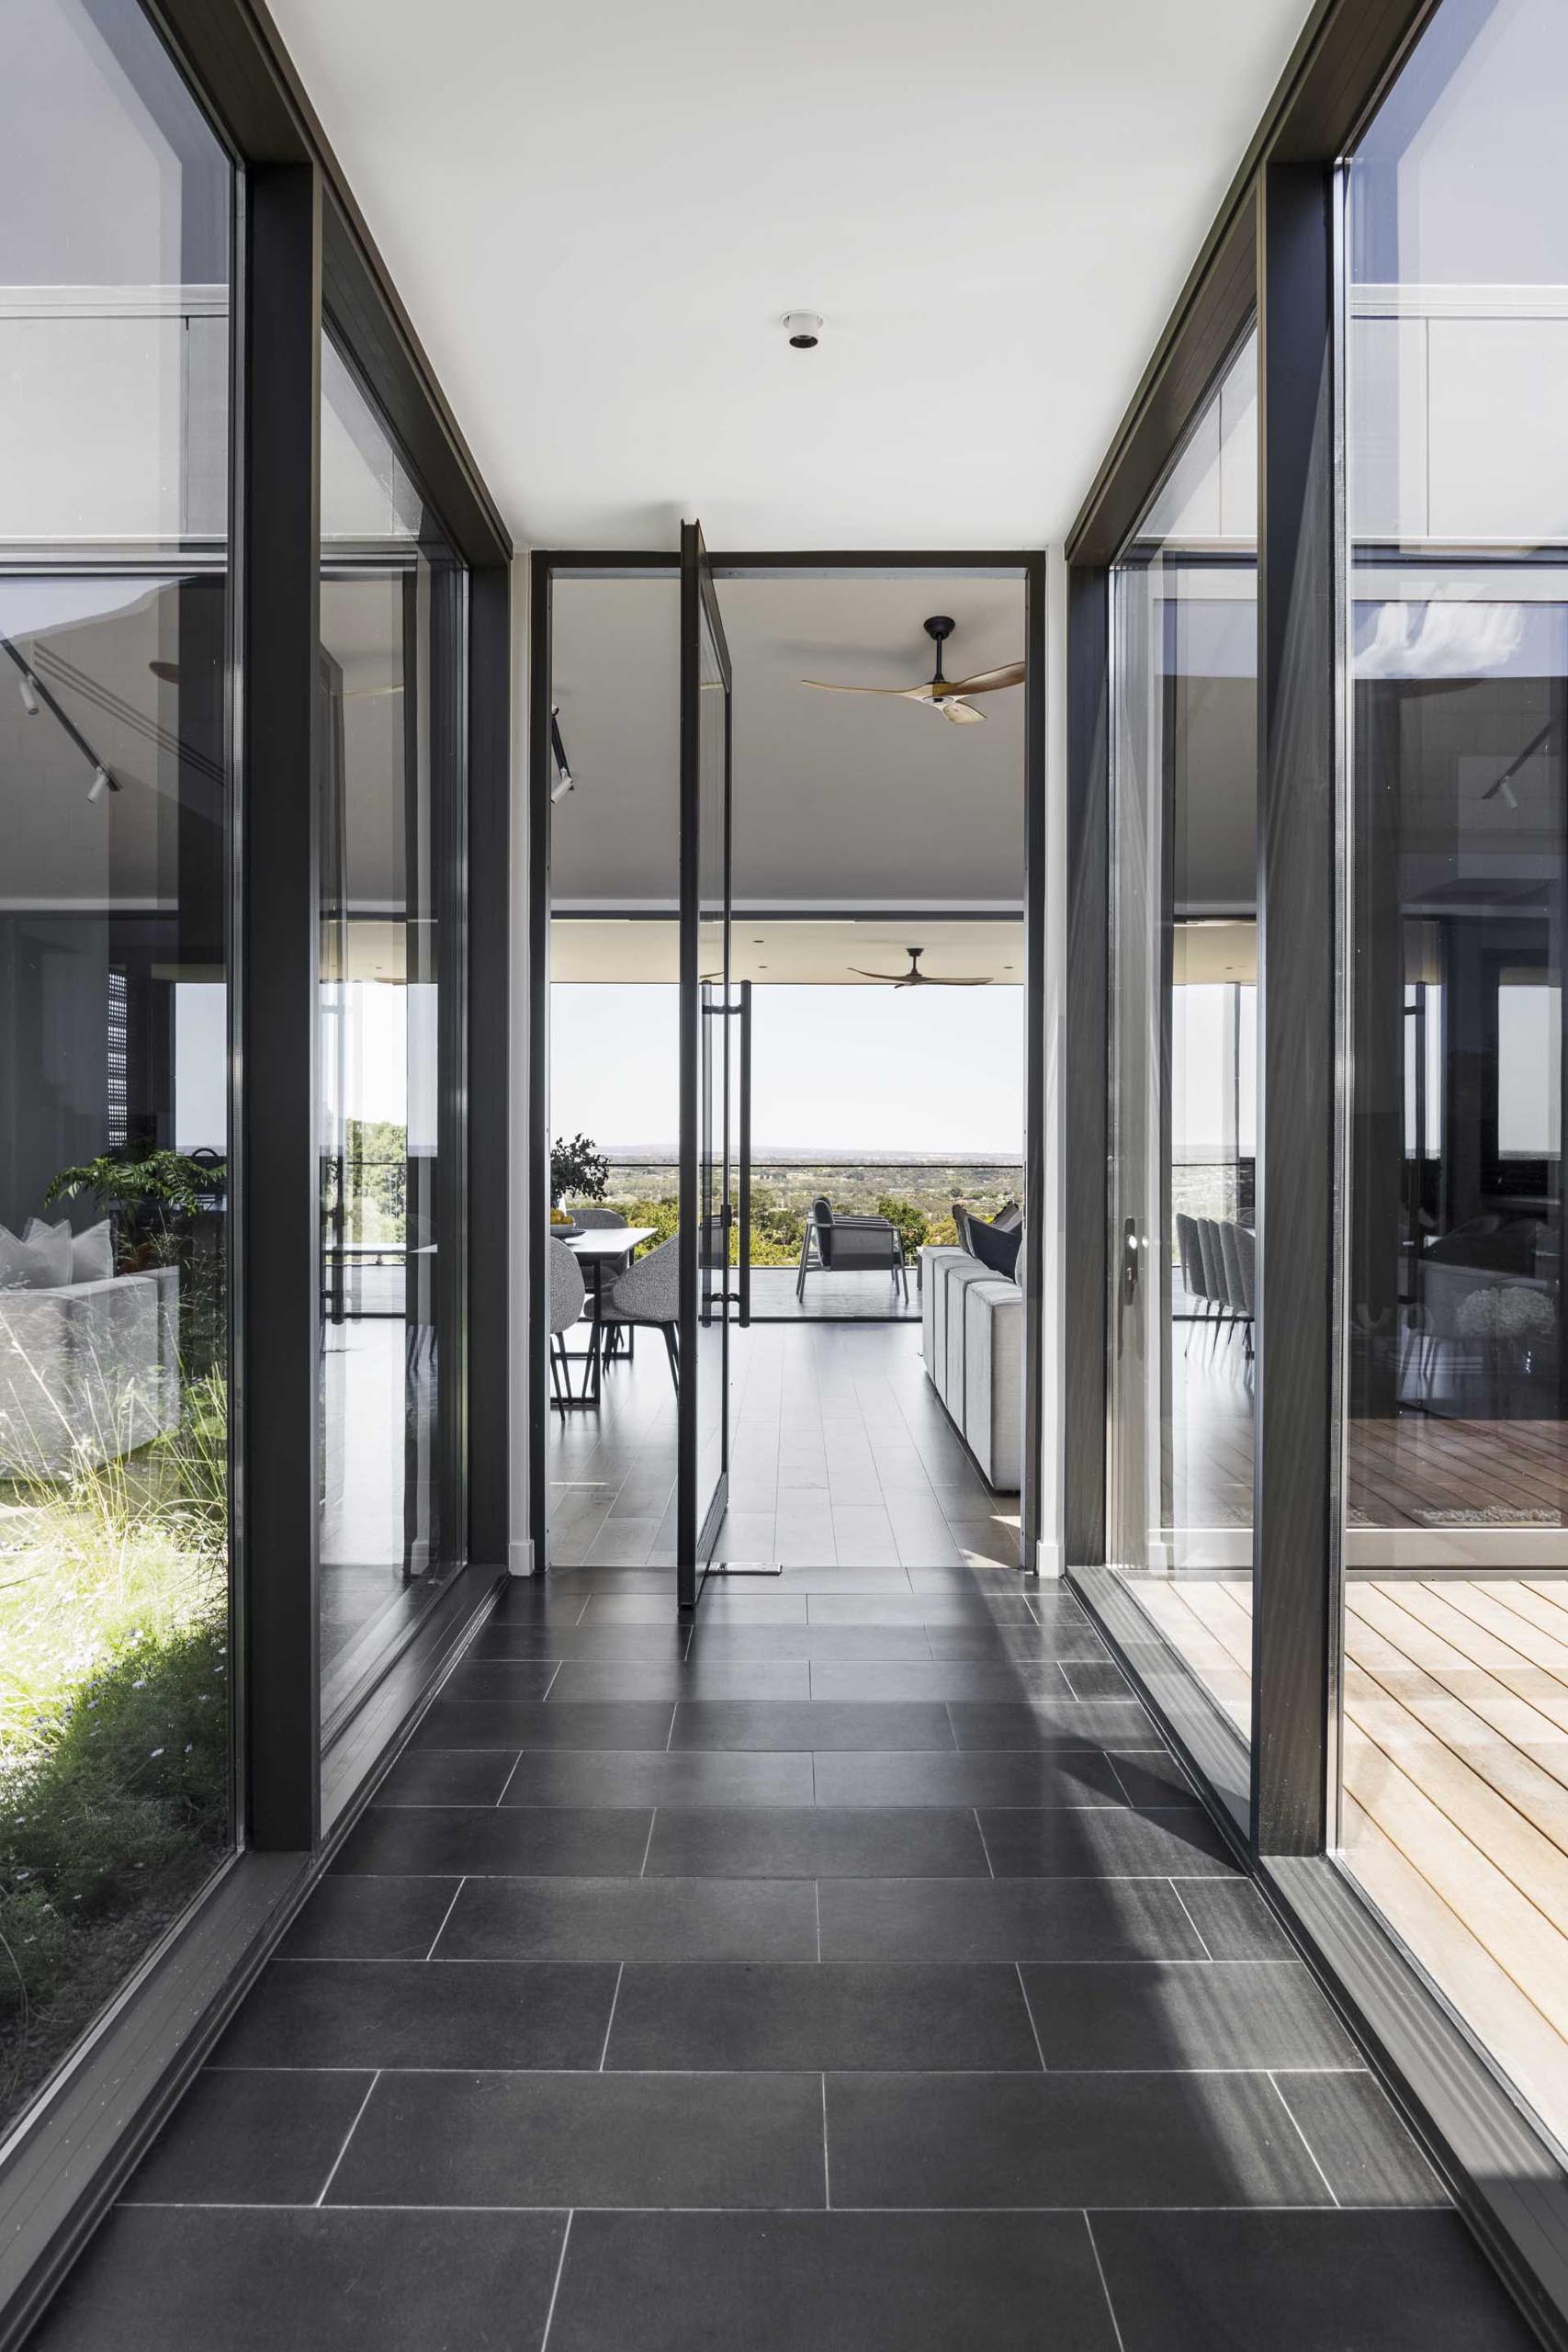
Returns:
point(1184, 980)
point(708, 1093)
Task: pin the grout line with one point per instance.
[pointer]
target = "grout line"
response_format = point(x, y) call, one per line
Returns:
point(827, 2170)
point(611, 2019)
point(1029, 2013)
point(670, 1732)
point(555, 2290)
point(1302, 2136)
point(1105, 2290)
point(349, 2134)
point(1190, 1920)
point(445, 1916)
point(501, 1800)
point(648, 1849)
point(1116, 1776)
point(551, 1683)
point(984, 1847)
point(1072, 1689)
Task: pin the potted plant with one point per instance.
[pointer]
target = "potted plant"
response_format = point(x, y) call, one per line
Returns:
point(149, 1194)
point(575, 1167)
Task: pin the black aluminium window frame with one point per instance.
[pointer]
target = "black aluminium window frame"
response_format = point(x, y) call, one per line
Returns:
point(1275, 249)
point(547, 565)
point(300, 251)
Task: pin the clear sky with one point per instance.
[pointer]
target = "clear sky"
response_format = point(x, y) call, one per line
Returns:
point(833, 1069)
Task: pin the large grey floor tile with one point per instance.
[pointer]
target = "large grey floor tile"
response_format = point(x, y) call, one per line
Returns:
point(1112, 1840)
point(986, 1920)
point(618, 1645)
point(1104, 2140)
point(1304, 2282)
point(506, 1841)
point(535, 1723)
point(1053, 1722)
point(599, 2139)
point(481, 1678)
point(937, 1679)
point(371, 1918)
point(1085, 1777)
point(422, 2013)
point(200, 2280)
point(1234, 1920)
point(929, 2018)
point(830, 2282)
point(703, 1677)
point(784, 1724)
point(637, 1778)
point(816, 1842)
point(719, 1645)
point(1367, 2154)
point(562, 1918)
point(250, 2139)
point(447, 1776)
point(1156, 2014)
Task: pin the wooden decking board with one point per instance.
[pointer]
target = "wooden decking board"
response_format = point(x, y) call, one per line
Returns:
point(1455, 1797)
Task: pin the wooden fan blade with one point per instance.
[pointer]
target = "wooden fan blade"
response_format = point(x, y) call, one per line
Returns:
point(894, 979)
point(936, 980)
point(960, 713)
point(991, 681)
point(909, 693)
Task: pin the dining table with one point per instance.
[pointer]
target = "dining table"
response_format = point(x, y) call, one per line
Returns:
point(599, 1249)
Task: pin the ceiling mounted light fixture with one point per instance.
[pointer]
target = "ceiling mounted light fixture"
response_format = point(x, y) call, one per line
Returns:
point(804, 328)
point(563, 783)
point(102, 782)
point(31, 702)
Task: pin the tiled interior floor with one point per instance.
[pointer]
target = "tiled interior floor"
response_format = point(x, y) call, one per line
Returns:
point(853, 1973)
point(841, 1452)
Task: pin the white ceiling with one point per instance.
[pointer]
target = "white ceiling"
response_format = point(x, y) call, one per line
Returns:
point(842, 802)
point(596, 217)
point(774, 954)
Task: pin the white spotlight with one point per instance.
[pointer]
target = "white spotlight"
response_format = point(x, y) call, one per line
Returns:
point(31, 702)
point(102, 782)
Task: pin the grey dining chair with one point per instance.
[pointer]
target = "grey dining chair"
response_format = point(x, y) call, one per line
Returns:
point(591, 1218)
point(1193, 1281)
point(649, 1291)
point(1212, 1251)
point(568, 1293)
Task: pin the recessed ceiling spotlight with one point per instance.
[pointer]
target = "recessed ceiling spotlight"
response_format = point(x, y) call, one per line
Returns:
point(804, 328)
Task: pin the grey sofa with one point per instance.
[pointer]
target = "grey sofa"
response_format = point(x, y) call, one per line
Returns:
point(88, 1372)
point(972, 1337)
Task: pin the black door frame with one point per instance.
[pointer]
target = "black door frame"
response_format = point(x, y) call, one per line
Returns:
point(1274, 251)
point(1029, 566)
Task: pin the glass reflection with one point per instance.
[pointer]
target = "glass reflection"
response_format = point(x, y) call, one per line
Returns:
point(115, 1730)
point(389, 747)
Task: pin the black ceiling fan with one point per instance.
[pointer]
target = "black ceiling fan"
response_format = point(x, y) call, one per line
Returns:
point(946, 695)
point(915, 979)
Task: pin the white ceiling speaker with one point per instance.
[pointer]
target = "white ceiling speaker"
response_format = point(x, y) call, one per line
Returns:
point(804, 328)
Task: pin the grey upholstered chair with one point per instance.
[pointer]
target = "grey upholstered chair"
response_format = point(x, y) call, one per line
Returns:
point(568, 1291)
point(1247, 1259)
point(649, 1291)
point(1236, 1296)
point(1212, 1251)
point(850, 1245)
point(1192, 1278)
point(595, 1220)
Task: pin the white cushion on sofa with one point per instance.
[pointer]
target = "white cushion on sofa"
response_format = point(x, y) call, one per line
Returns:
point(935, 1259)
point(92, 1251)
point(993, 1381)
point(40, 1259)
point(960, 1280)
point(88, 1372)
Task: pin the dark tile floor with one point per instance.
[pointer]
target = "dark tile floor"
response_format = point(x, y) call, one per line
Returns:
point(856, 1973)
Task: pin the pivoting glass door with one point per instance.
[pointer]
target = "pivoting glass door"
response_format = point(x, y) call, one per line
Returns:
point(707, 1091)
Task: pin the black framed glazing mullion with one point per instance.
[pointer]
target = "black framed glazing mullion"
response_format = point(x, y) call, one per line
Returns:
point(1085, 1091)
point(279, 1214)
point(448, 670)
point(490, 1073)
point(1296, 1474)
point(743, 1286)
point(537, 1190)
point(1035, 883)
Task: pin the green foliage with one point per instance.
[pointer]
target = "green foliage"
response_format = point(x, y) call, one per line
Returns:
point(663, 1214)
point(375, 1173)
point(914, 1226)
point(150, 1193)
point(576, 1167)
point(114, 1722)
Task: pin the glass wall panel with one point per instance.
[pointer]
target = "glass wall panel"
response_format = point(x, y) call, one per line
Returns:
point(390, 765)
point(1184, 1030)
point(115, 1280)
point(1453, 1812)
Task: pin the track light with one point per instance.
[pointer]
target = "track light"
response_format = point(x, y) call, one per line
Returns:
point(102, 782)
point(31, 702)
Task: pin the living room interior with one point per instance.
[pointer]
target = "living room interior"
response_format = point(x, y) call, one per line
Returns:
point(877, 958)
